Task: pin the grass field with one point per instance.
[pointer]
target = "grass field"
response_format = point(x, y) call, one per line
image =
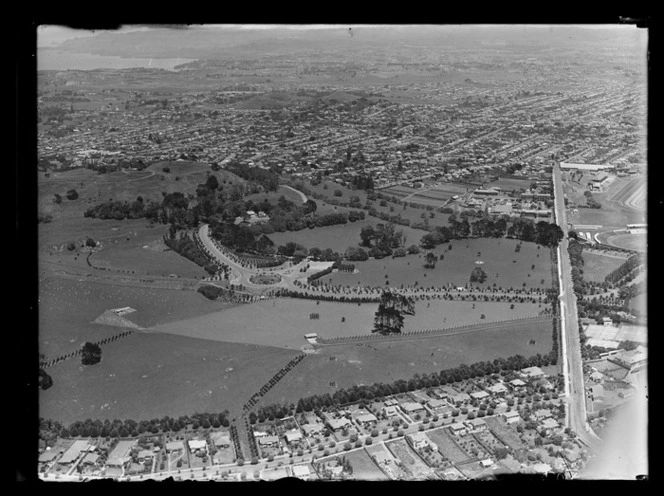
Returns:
point(340, 237)
point(369, 363)
point(148, 376)
point(638, 242)
point(597, 266)
point(284, 322)
point(498, 257)
point(67, 309)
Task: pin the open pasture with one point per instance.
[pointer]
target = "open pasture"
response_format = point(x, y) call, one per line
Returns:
point(67, 309)
point(385, 361)
point(340, 237)
point(146, 376)
point(503, 265)
point(597, 266)
point(284, 322)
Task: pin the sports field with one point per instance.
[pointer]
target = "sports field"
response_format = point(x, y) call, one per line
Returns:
point(597, 266)
point(284, 322)
point(503, 265)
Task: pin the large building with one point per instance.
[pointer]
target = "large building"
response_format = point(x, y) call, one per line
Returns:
point(585, 167)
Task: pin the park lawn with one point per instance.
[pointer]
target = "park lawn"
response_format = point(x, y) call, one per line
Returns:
point(503, 265)
point(364, 468)
point(373, 362)
point(283, 322)
point(146, 376)
point(597, 266)
point(68, 308)
point(339, 237)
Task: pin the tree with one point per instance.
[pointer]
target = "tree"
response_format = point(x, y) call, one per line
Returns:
point(72, 194)
point(389, 317)
point(90, 242)
point(45, 380)
point(478, 275)
point(430, 259)
point(91, 354)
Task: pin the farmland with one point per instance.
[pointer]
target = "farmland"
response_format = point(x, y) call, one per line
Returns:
point(504, 266)
point(146, 376)
point(284, 322)
point(597, 266)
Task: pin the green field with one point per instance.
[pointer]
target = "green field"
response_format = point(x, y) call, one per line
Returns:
point(147, 376)
point(373, 362)
point(67, 309)
point(340, 237)
point(364, 468)
point(597, 266)
point(284, 322)
point(499, 258)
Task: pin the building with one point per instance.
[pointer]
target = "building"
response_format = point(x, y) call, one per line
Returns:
point(74, 451)
point(293, 436)
point(390, 411)
point(419, 440)
point(542, 413)
point(497, 389)
point(512, 417)
point(479, 395)
point(459, 398)
point(300, 471)
point(197, 446)
point(584, 167)
point(313, 428)
point(633, 360)
point(548, 426)
point(458, 429)
point(268, 441)
point(145, 456)
point(517, 384)
point(596, 393)
point(337, 424)
point(174, 446)
point(120, 456)
point(47, 456)
point(366, 418)
point(532, 372)
point(90, 459)
point(476, 425)
point(411, 407)
point(220, 439)
point(486, 463)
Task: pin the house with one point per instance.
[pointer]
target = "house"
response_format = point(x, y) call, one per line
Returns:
point(458, 429)
point(512, 417)
point(300, 471)
point(145, 456)
point(607, 321)
point(437, 404)
point(459, 398)
point(410, 407)
point(479, 395)
point(90, 459)
point(532, 372)
point(74, 451)
point(419, 440)
point(486, 463)
point(337, 424)
point(293, 436)
point(497, 389)
point(366, 418)
point(476, 425)
point(390, 411)
point(542, 414)
point(517, 384)
point(314, 428)
point(548, 425)
point(174, 446)
point(268, 441)
point(197, 446)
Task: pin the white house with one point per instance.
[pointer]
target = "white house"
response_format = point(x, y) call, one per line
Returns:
point(293, 436)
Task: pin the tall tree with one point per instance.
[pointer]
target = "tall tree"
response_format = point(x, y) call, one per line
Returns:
point(430, 260)
point(389, 317)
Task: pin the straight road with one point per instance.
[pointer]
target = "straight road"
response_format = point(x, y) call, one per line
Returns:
point(576, 417)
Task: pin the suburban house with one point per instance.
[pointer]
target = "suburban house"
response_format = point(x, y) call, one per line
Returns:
point(458, 429)
point(479, 395)
point(597, 376)
point(548, 426)
point(366, 418)
point(197, 446)
point(300, 471)
point(74, 451)
point(314, 428)
point(486, 463)
point(390, 411)
point(293, 436)
point(596, 392)
point(411, 407)
point(542, 414)
point(145, 456)
point(174, 446)
point(532, 372)
point(119, 457)
point(517, 384)
point(337, 424)
point(459, 398)
point(90, 459)
point(497, 389)
point(512, 417)
point(268, 441)
point(476, 425)
point(419, 440)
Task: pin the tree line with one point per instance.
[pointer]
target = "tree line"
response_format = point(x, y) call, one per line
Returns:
point(625, 268)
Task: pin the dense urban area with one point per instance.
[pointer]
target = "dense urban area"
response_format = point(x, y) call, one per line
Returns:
point(341, 254)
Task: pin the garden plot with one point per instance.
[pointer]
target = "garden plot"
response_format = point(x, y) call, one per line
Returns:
point(410, 460)
point(447, 447)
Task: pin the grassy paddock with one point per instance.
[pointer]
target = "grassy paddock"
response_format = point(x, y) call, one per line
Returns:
point(498, 256)
point(148, 376)
point(597, 266)
point(284, 322)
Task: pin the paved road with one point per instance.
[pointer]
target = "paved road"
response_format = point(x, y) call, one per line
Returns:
point(576, 417)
